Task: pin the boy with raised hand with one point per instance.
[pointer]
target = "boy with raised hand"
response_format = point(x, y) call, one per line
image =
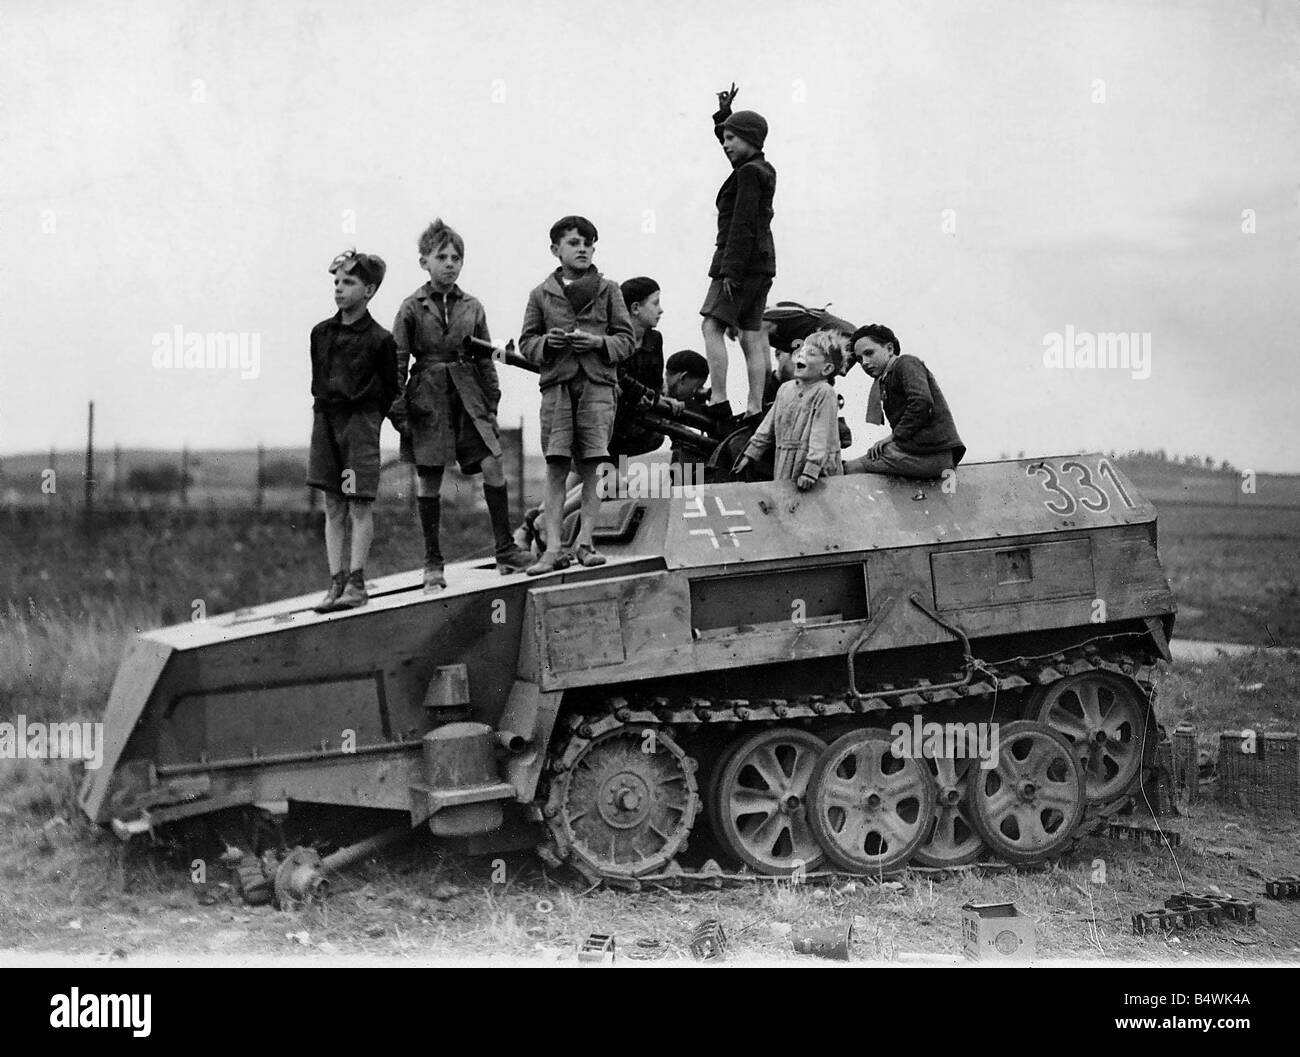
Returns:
point(924, 441)
point(576, 328)
point(353, 383)
point(803, 424)
point(449, 407)
point(744, 261)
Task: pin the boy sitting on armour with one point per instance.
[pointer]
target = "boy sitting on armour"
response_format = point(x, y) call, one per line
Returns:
point(924, 441)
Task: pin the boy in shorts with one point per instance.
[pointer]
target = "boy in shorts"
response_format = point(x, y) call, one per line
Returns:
point(577, 329)
point(745, 259)
point(353, 381)
point(448, 410)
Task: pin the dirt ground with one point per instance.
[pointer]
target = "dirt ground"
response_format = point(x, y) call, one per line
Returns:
point(70, 892)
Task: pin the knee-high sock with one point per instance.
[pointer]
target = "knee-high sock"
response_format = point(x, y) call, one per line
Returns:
point(430, 509)
point(498, 504)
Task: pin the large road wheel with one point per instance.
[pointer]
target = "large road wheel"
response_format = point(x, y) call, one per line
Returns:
point(950, 839)
point(1029, 805)
point(870, 808)
point(624, 811)
point(758, 800)
point(1104, 716)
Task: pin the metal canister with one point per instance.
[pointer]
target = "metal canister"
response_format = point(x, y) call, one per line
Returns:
point(832, 942)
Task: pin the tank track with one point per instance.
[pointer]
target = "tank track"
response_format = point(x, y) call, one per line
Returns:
point(669, 714)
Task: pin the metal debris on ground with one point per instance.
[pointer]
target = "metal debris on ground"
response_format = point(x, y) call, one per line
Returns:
point(1144, 834)
point(597, 949)
point(1283, 887)
point(833, 942)
point(708, 941)
point(1186, 910)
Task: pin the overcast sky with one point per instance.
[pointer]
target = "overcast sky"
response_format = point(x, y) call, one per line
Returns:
point(977, 175)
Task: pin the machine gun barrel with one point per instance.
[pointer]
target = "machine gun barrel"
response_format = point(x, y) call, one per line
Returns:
point(658, 414)
point(507, 355)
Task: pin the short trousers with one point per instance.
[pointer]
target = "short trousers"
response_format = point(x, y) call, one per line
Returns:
point(894, 460)
point(745, 310)
point(344, 457)
point(471, 448)
point(577, 419)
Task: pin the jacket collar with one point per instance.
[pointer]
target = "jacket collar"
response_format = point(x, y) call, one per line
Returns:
point(428, 294)
point(553, 280)
point(362, 323)
point(753, 157)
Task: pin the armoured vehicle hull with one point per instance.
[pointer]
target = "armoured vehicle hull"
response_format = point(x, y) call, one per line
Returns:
point(695, 681)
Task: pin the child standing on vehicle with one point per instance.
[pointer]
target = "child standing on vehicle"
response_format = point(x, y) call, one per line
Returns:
point(744, 261)
point(803, 424)
point(449, 407)
point(576, 328)
point(353, 382)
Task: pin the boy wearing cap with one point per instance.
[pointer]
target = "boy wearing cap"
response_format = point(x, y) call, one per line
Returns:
point(924, 441)
point(576, 328)
point(803, 424)
point(744, 261)
point(449, 407)
point(353, 383)
point(644, 369)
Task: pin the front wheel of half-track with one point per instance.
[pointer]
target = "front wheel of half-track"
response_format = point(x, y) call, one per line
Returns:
point(624, 805)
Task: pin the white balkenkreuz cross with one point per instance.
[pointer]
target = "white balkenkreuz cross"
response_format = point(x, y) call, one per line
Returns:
point(696, 507)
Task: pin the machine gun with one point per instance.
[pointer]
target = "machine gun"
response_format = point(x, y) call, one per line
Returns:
point(694, 432)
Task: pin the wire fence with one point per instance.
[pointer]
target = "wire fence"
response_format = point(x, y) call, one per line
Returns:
point(64, 486)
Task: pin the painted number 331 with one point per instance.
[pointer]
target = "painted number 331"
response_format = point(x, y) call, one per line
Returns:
point(1075, 477)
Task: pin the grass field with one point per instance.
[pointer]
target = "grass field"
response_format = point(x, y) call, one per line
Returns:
point(70, 609)
point(1235, 572)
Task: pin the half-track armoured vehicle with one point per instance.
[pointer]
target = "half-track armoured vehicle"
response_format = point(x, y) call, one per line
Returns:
point(873, 672)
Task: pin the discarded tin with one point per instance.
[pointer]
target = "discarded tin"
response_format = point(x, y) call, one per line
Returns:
point(597, 949)
point(1144, 834)
point(830, 942)
point(1283, 887)
point(996, 932)
point(708, 941)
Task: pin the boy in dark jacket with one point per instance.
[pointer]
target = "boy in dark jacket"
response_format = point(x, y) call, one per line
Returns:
point(745, 259)
point(449, 408)
point(644, 368)
point(924, 442)
point(576, 328)
point(353, 382)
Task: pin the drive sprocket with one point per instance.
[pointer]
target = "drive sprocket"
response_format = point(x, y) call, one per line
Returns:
point(624, 803)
